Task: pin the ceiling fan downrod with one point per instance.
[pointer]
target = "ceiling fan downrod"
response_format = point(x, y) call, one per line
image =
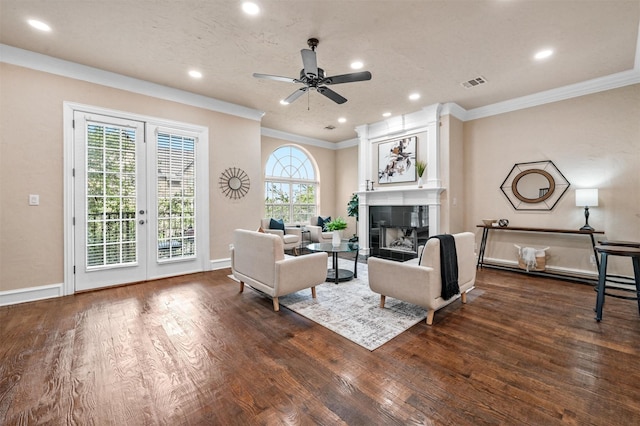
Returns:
point(312, 43)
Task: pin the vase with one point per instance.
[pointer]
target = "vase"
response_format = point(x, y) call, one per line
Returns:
point(336, 239)
point(420, 182)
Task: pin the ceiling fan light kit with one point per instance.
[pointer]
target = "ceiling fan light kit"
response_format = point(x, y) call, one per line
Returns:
point(313, 77)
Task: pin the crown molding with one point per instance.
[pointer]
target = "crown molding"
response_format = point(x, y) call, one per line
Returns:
point(601, 84)
point(290, 137)
point(40, 62)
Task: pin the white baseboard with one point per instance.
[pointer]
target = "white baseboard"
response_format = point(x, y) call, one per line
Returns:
point(22, 295)
point(31, 294)
point(550, 268)
point(220, 264)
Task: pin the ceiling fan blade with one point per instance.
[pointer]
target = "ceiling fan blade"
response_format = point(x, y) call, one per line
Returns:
point(347, 78)
point(295, 95)
point(331, 95)
point(310, 62)
point(277, 78)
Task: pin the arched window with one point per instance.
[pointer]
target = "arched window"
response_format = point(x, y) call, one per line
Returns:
point(290, 185)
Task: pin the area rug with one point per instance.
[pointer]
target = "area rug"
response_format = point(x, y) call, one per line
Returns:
point(353, 311)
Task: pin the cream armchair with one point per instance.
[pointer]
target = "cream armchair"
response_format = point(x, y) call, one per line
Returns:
point(316, 233)
point(418, 281)
point(258, 260)
point(291, 236)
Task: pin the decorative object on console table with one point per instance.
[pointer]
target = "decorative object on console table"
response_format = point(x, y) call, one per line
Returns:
point(421, 166)
point(337, 225)
point(503, 223)
point(586, 198)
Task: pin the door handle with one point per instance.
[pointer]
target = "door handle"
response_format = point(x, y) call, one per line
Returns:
point(141, 212)
point(141, 222)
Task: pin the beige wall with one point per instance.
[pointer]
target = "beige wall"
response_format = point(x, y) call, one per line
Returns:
point(31, 160)
point(326, 163)
point(594, 141)
point(346, 184)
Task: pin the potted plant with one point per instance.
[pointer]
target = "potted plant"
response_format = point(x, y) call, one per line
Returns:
point(353, 210)
point(421, 166)
point(335, 226)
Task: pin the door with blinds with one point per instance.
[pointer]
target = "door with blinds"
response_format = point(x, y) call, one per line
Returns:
point(135, 201)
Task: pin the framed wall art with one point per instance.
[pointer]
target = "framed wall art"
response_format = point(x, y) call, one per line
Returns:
point(396, 160)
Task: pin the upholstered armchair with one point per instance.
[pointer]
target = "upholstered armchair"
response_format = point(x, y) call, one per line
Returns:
point(419, 281)
point(258, 260)
point(316, 233)
point(291, 236)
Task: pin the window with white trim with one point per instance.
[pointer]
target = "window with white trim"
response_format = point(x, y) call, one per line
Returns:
point(290, 185)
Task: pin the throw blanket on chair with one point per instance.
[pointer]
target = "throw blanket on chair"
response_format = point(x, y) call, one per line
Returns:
point(448, 266)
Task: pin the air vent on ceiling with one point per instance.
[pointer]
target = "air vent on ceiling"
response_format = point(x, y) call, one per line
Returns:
point(474, 82)
point(330, 127)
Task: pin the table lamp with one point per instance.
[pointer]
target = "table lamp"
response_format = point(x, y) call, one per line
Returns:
point(586, 198)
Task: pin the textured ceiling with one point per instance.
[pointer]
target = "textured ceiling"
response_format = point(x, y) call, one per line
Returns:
point(428, 47)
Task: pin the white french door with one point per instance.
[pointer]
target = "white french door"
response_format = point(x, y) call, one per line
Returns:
point(138, 209)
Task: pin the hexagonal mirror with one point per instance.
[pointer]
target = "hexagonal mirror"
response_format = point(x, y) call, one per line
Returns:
point(536, 185)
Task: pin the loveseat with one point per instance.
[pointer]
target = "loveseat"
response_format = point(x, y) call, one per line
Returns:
point(258, 260)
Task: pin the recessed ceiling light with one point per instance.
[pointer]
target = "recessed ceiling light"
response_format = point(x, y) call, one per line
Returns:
point(414, 96)
point(356, 65)
point(195, 74)
point(284, 102)
point(250, 8)
point(342, 120)
point(39, 25)
point(386, 114)
point(543, 54)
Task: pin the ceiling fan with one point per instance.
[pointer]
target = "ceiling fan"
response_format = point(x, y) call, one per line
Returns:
point(314, 78)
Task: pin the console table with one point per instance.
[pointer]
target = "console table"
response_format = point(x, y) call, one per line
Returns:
point(485, 235)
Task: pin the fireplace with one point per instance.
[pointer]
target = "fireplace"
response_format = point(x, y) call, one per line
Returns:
point(395, 232)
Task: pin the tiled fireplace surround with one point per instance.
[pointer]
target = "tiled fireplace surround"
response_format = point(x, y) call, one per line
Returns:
point(425, 125)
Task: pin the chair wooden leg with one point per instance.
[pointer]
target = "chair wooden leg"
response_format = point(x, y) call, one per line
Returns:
point(241, 286)
point(313, 292)
point(276, 304)
point(463, 297)
point(382, 299)
point(430, 315)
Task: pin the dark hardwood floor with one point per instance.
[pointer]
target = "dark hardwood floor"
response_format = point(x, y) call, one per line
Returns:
point(192, 350)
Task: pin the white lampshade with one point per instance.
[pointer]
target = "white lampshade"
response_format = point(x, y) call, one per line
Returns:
point(586, 197)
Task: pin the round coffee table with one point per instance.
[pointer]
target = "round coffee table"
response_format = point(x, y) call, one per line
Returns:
point(335, 274)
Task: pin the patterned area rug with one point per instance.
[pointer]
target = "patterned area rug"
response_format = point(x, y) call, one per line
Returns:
point(353, 311)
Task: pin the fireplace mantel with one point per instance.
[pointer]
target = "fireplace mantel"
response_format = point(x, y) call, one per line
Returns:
point(401, 196)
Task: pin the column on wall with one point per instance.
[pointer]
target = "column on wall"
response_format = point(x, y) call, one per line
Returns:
point(424, 122)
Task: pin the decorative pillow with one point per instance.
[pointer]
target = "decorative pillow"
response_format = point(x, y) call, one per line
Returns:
point(276, 224)
point(322, 222)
